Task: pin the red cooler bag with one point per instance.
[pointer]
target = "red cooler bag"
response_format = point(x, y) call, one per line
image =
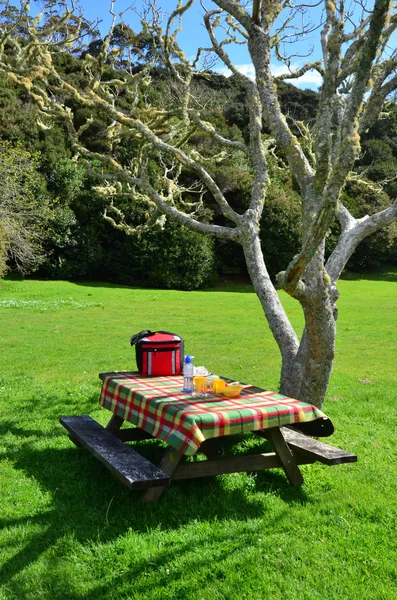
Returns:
point(158, 353)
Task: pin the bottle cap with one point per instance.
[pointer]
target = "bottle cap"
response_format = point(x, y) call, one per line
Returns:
point(188, 358)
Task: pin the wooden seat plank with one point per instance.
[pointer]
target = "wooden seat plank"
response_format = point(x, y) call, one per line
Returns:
point(127, 465)
point(307, 446)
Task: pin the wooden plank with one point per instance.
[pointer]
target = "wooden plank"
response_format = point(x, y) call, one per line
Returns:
point(132, 469)
point(212, 448)
point(232, 464)
point(130, 434)
point(322, 427)
point(115, 423)
point(285, 455)
point(168, 465)
point(306, 446)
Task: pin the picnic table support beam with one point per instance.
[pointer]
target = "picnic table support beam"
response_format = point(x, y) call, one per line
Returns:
point(285, 455)
point(115, 423)
point(211, 448)
point(168, 465)
point(130, 434)
point(230, 464)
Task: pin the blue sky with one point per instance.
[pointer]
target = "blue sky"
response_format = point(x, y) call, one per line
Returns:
point(194, 35)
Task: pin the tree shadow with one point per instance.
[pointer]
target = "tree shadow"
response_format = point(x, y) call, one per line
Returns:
point(166, 565)
point(56, 405)
point(388, 274)
point(107, 285)
point(229, 285)
point(88, 505)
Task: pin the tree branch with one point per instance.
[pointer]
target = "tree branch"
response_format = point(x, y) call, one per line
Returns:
point(354, 233)
point(217, 47)
point(210, 129)
point(295, 74)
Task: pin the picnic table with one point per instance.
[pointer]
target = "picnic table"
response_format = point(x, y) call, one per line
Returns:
point(189, 423)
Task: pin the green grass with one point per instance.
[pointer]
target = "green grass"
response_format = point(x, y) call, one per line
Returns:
point(69, 531)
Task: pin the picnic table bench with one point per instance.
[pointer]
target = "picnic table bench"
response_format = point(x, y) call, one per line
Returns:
point(157, 408)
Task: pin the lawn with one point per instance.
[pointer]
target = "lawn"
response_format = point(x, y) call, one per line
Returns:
point(69, 531)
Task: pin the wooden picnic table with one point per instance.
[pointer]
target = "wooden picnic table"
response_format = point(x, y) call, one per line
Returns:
point(157, 408)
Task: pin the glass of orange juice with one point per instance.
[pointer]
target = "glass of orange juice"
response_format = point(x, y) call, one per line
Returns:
point(200, 385)
point(218, 385)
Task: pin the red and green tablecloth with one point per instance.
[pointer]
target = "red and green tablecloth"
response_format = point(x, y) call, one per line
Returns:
point(158, 406)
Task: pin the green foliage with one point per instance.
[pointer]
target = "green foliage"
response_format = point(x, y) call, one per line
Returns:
point(378, 160)
point(65, 182)
point(77, 234)
point(89, 247)
point(24, 207)
point(66, 179)
point(379, 151)
point(17, 117)
point(3, 252)
point(280, 225)
point(297, 104)
point(280, 228)
point(174, 257)
point(280, 235)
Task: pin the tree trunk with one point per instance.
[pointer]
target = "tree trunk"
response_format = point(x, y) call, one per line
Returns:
point(275, 314)
point(317, 351)
point(310, 373)
point(306, 367)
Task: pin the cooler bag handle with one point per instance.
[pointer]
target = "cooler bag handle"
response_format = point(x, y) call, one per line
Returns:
point(138, 336)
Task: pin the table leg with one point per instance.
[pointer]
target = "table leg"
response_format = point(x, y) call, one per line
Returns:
point(115, 423)
point(284, 454)
point(168, 465)
point(211, 448)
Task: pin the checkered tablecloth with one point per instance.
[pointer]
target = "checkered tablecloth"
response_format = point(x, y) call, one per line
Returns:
point(158, 406)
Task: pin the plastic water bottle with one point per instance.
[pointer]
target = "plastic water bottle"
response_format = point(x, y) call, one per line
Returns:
point(188, 371)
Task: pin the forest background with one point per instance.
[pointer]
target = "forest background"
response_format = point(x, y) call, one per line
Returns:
point(51, 217)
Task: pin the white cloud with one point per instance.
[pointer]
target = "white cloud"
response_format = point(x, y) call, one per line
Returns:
point(246, 69)
point(311, 78)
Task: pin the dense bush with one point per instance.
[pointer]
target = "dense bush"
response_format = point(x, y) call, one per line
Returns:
point(280, 228)
point(280, 235)
point(25, 208)
point(90, 248)
point(174, 257)
point(3, 252)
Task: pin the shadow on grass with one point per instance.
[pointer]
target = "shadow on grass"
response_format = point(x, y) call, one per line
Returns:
point(388, 274)
point(191, 562)
point(222, 286)
point(31, 406)
point(171, 569)
point(89, 506)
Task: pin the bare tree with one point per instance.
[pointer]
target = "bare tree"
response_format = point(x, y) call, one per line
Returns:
point(358, 68)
